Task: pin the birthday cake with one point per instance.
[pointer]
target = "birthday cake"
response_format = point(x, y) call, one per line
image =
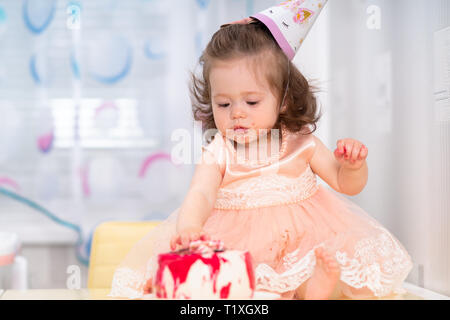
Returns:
point(203, 271)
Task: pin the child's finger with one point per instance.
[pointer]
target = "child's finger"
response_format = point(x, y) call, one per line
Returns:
point(184, 241)
point(355, 152)
point(179, 243)
point(348, 149)
point(173, 242)
point(363, 153)
point(340, 146)
point(194, 236)
point(337, 154)
point(204, 236)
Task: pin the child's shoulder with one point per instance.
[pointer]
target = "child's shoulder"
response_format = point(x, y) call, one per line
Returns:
point(216, 147)
point(304, 136)
point(305, 142)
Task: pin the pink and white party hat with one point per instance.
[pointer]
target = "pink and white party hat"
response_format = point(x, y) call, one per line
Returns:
point(290, 21)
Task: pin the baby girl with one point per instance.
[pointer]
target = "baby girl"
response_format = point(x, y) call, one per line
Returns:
point(255, 187)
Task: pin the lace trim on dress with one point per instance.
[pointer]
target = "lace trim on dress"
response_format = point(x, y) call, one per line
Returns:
point(363, 270)
point(268, 190)
point(127, 283)
point(268, 279)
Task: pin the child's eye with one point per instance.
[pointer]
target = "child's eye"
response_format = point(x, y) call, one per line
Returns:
point(252, 103)
point(224, 105)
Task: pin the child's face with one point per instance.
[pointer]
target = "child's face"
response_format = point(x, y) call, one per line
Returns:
point(242, 99)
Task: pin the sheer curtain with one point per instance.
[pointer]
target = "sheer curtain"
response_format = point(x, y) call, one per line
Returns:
point(90, 94)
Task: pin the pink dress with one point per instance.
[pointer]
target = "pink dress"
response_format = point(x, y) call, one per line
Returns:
point(278, 212)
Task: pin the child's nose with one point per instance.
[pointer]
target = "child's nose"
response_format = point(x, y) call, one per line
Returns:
point(237, 111)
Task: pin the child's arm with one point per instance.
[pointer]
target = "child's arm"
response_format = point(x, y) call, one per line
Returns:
point(199, 201)
point(346, 170)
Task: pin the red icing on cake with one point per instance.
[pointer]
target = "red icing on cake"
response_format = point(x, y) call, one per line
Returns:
point(250, 272)
point(180, 263)
point(225, 291)
point(179, 266)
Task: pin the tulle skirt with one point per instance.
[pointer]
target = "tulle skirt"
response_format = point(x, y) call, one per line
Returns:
point(282, 240)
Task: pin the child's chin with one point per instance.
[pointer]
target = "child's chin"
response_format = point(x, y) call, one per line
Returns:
point(244, 139)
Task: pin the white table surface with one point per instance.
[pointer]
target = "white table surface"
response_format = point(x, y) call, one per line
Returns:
point(412, 292)
point(84, 294)
point(425, 293)
point(55, 294)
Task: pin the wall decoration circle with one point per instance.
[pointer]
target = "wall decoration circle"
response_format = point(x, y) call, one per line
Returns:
point(109, 58)
point(160, 179)
point(38, 14)
point(3, 20)
point(154, 49)
point(106, 116)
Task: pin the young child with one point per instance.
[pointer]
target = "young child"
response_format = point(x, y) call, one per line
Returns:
point(307, 241)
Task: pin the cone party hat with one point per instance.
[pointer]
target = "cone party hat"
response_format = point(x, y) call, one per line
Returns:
point(290, 21)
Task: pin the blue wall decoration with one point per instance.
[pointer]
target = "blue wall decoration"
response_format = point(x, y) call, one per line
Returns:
point(41, 70)
point(110, 59)
point(73, 11)
point(38, 14)
point(34, 70)
point(152, 52)
point(33, 205)
point(3, 16)
point(203, 3)
point(75, 66)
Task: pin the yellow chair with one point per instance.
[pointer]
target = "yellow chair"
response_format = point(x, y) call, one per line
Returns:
point(110, 244)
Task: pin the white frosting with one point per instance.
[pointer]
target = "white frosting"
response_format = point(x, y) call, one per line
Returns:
point(199, 285)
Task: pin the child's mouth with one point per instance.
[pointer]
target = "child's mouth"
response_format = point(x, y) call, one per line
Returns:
point(240, 130)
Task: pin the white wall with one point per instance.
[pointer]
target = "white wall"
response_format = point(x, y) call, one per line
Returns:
point(382, 94)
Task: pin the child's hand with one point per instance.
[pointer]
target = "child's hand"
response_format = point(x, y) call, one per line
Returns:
point(351, 153)
point(185, 236)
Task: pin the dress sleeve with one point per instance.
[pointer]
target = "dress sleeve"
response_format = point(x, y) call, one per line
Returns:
point(301, 145)
point(310, 142)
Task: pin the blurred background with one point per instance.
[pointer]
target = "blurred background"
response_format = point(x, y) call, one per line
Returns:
point(91, 92)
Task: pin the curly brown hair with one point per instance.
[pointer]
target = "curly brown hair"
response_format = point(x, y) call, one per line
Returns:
point(255, 40)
